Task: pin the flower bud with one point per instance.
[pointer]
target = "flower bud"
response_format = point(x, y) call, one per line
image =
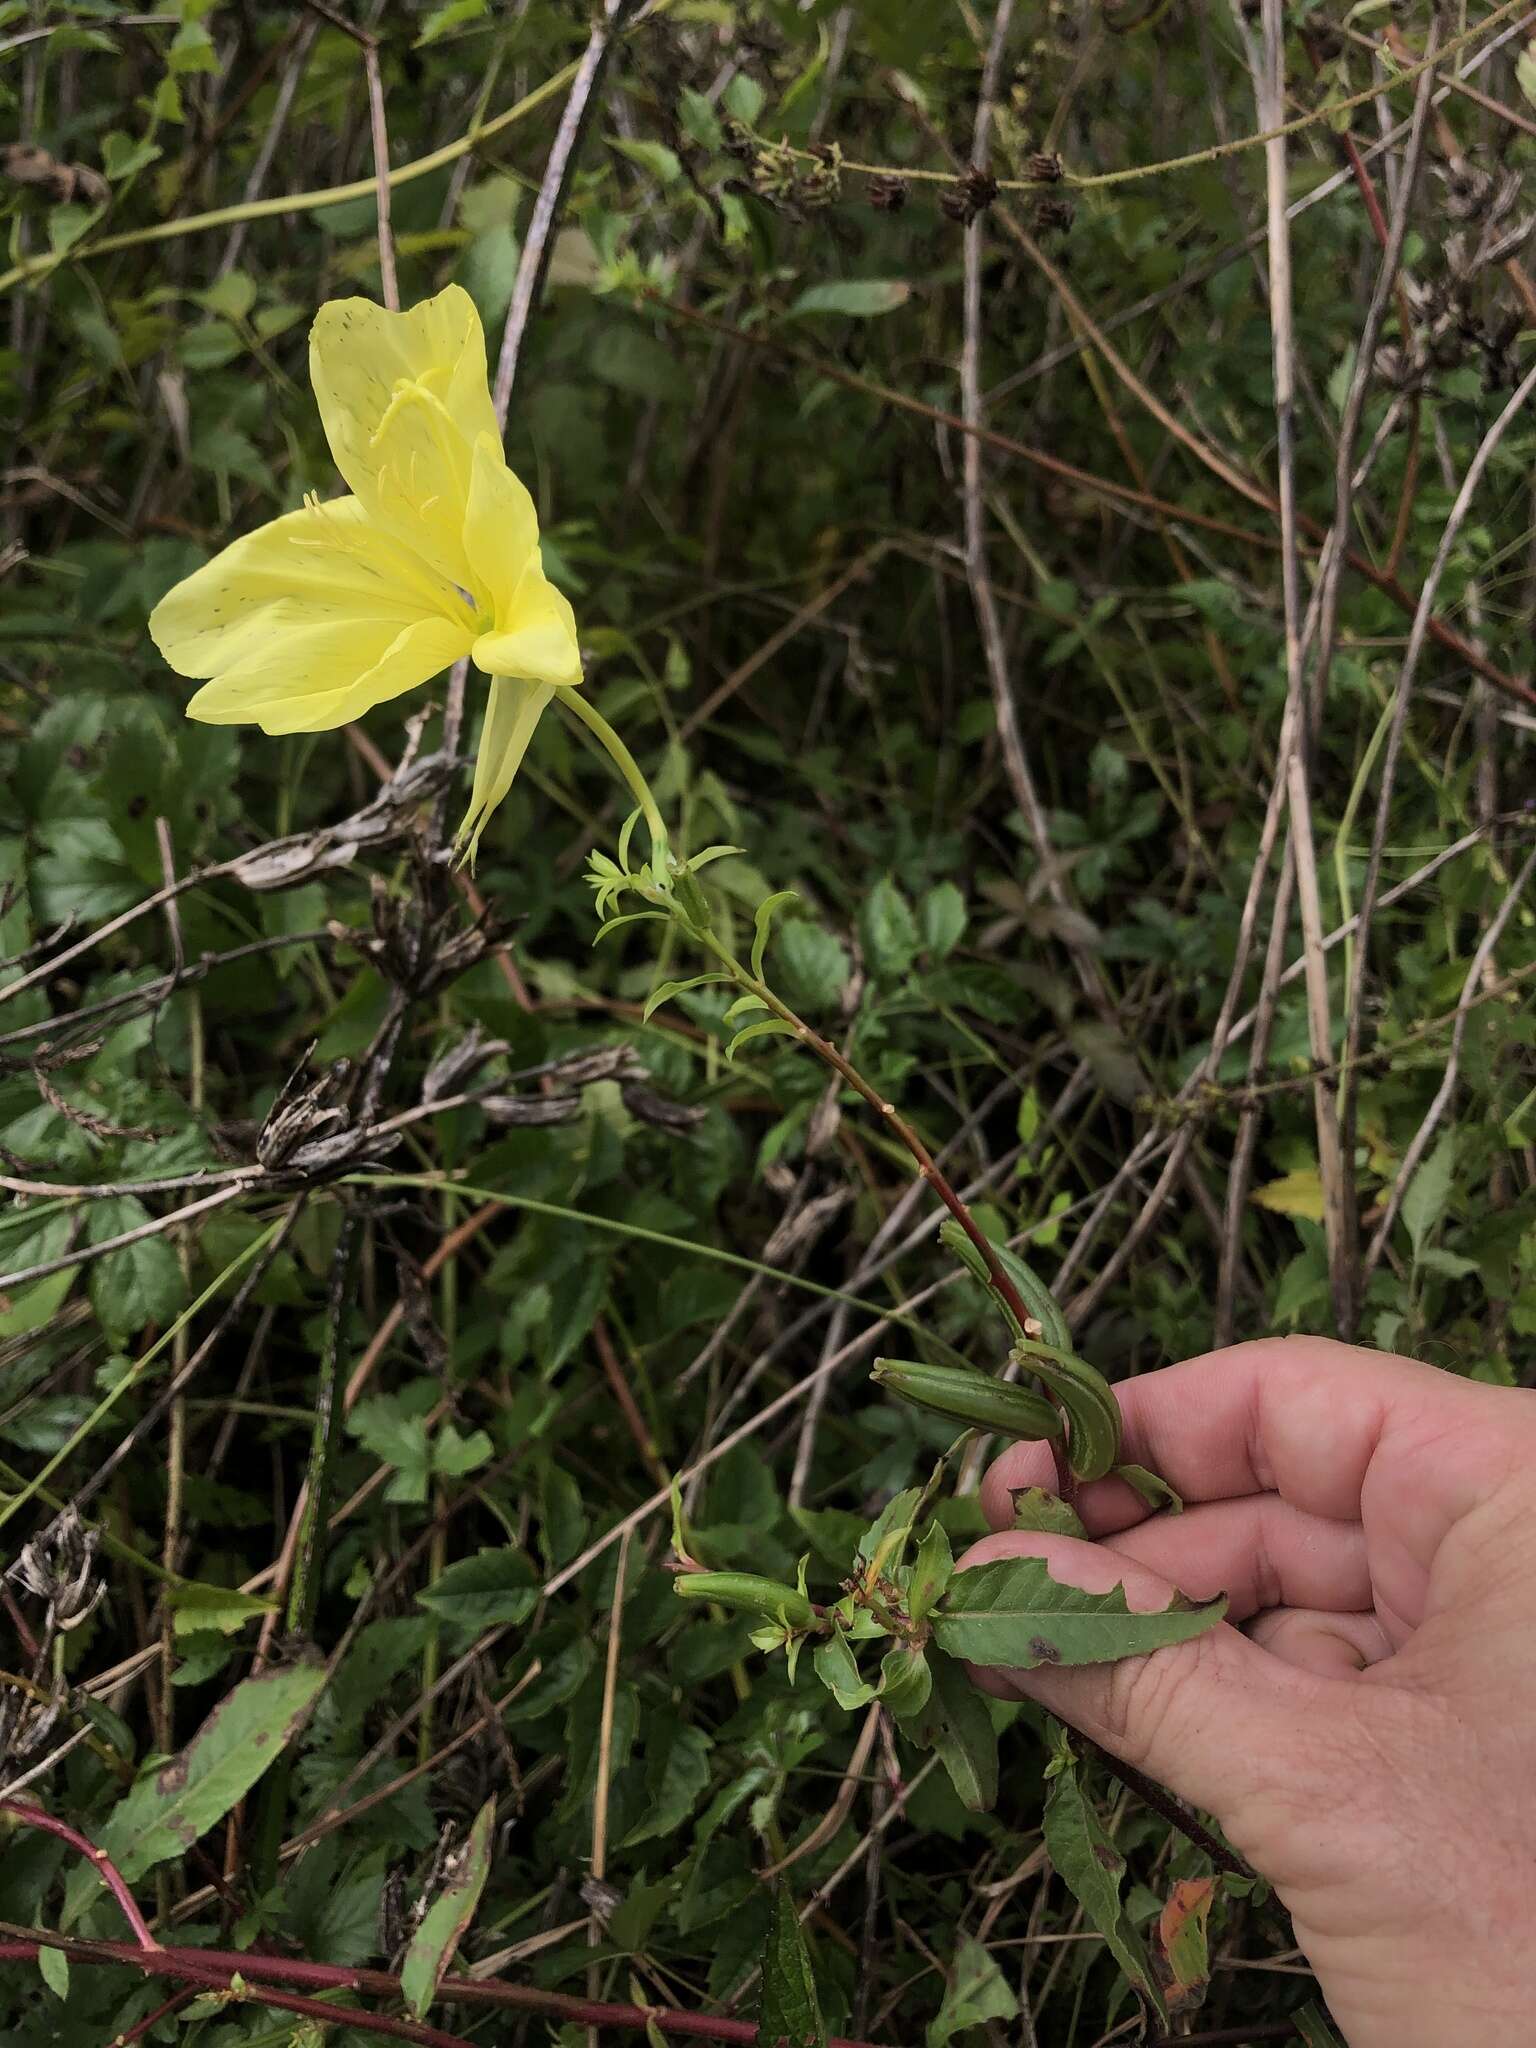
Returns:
point(972, 1397)
point(748, 1594)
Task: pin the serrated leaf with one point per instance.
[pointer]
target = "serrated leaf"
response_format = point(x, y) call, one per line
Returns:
point(941, 920)
point(165, 1813)
point(956, 1723)
point(447, 1918)
point(488, 1590)
point(762, 924)
point(1299, 1193)
point(977, 1991)
point(1091, 1867)
point(888, 929)
point(675, 1777)
point(196, 1607)
point(1429, 1192)
point(812, 963)
point(789, 2010)
point(1011, 1612)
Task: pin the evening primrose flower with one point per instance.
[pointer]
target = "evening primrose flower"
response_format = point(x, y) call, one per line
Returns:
point(311, 620)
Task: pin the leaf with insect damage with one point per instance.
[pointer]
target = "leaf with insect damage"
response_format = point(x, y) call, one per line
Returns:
point(447, 1919)
point(1011, 1612)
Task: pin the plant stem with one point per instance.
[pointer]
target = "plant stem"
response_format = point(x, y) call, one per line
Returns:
point(582, 707)
point(927, 1166)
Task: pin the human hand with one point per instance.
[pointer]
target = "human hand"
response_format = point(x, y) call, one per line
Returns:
point(1364, 1724)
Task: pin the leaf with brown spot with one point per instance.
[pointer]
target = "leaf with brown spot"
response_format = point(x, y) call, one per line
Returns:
point(1181, 1948)
point(167, 1811)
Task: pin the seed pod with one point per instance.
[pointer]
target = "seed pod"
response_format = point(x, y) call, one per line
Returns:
point(973, 1397)
point(748, 1594)
point(1032, 1290)
point(1092, 1410)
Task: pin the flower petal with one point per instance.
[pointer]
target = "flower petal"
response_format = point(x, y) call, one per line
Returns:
point(311, 675)
point(323, 566)
point(514, 710)
point(404, 400)
point(535, 638)
point(501, 528)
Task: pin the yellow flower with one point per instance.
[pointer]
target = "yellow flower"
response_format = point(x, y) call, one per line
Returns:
point(309, 621)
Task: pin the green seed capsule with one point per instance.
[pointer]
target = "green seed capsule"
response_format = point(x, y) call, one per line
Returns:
point(749, 1594)
point(972, 1397)
point(1093, 1411)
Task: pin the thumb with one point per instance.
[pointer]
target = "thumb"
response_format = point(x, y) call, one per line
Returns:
point(1217, 1719)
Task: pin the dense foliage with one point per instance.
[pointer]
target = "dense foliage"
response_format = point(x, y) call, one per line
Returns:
point(931, 547)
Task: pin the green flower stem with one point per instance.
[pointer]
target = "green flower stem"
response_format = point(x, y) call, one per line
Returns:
point(583, 708)
point(927, 1166)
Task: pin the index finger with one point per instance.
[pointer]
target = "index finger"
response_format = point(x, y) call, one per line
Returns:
point(1298, 1416)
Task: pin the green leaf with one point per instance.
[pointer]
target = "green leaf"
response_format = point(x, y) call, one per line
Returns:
point(789, 2010)
point(1013, 1613)
point(1037, 1508)
point(956, 1722)
point(447, 1918)
point(444, 20)
point(977, 1991)
point(654, 157)
point(484, 1591)
point(167, 1811)
point(839, 1673)
point(664, 991)
point(196, 1607)
point(770, 1027)
point(933, 1566)
point(1156, 1492)
point(53, 1968)
point(941, 919)
point(1092, 1867)
point(676, 1774)
point(888, 929)
point(860, 298)
point(905, 1681)
point(743, 99)
point(762, 924)
point(812, 963)
point(1429, 1193)
point(143, 1282)
point(1313, 2028)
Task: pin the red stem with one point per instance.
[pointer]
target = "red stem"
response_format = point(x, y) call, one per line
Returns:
point(214, 1969)
point(30, 1816)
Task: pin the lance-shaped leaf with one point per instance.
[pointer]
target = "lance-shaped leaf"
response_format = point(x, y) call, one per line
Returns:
point(447, 1919)
point(955, 1722)
point(164, 1814)
point(1013, 1613)
point(1092, 1867)
point(1312, 2028)
point(789, 2011)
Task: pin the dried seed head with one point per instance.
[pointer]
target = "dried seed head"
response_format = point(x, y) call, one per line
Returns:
point(970, 195)
point(1053, 216)
point(887, 193)
point(59, 1566)
point(657, 1111)
point(1045, 167)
